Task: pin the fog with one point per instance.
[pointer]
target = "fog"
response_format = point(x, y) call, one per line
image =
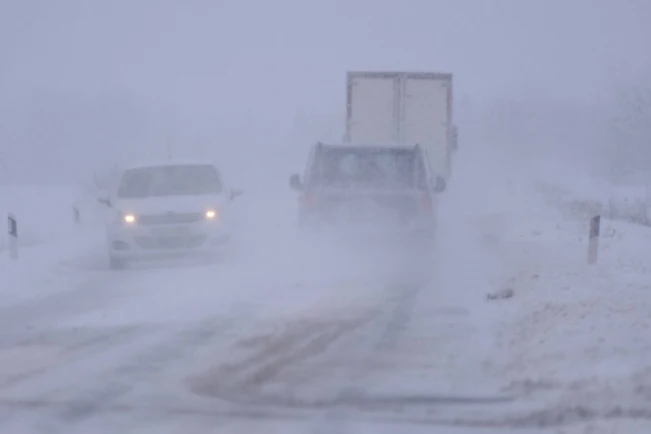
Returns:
point(252, 84)
point(550, 96)
point(543, 90)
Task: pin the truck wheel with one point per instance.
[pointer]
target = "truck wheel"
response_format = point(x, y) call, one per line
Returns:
point(304, 225)
point(424, 241)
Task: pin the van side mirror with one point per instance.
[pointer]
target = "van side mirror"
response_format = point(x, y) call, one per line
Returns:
point(295, 182)
point(106, 201)
point(440, 185)
point(235, 193)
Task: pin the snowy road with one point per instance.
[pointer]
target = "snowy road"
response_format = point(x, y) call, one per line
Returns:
point(236, 345)
point(323, 340)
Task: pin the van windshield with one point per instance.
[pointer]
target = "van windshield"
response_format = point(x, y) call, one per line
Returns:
point(174, 180)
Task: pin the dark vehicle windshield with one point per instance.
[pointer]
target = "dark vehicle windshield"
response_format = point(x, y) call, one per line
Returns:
point(177, 180)
point(366, 168)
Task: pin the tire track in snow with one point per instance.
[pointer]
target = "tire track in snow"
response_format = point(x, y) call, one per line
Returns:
point(71, 344)
point(403, 301)
point(242, 381)
point(91, 384)
point(141, 367)
point(302, 345)
point(361, 337)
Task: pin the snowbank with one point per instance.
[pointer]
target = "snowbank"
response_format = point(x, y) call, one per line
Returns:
point(574, 338)
point(579, 336)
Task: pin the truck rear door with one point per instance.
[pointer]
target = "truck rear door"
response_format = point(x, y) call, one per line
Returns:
point(426, 116)
point(373, 108)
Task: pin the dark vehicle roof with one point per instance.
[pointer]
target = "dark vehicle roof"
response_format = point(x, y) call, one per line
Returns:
point(370, 147)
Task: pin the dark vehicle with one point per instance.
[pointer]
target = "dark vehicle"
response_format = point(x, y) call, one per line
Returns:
point(374, 190)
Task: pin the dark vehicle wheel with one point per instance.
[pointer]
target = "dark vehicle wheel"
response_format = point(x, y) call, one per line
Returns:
point(305, 224)
point(424, 241)
point(117, 263)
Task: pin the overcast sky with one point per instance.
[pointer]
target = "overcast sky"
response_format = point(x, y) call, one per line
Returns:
point(209, 64)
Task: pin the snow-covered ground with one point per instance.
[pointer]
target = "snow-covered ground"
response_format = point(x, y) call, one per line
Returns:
point(284, 335)
point(53, 249)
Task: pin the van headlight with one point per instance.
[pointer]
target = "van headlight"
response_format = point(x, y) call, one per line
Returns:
point(128, 218)
point(210, 214)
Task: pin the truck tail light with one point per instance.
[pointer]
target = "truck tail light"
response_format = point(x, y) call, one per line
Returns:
point(309, 200)
point(426, 203)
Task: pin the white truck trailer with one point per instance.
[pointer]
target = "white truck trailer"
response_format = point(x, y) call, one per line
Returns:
point(403, 108)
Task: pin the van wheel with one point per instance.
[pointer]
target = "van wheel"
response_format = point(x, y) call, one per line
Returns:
point(117, 263)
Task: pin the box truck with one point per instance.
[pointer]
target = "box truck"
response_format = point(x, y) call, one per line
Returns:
point(403, 108)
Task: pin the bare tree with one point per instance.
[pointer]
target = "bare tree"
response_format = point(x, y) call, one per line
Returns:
point(630, 152)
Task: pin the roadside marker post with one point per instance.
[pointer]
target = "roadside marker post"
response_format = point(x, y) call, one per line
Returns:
point(13, 236)
point(593, 239)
